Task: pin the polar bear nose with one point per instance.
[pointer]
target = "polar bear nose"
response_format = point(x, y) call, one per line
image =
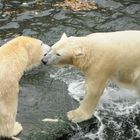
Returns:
point(44, 62)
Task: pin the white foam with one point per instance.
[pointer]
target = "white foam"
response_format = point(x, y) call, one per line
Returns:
point(76, 89)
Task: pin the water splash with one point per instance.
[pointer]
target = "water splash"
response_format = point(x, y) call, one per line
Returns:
point(117, 112)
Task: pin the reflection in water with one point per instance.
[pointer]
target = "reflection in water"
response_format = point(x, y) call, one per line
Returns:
point(118, 111)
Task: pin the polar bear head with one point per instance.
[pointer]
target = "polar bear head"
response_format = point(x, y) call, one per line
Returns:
point(28, 49)
point(68, 50)
point(36, 49)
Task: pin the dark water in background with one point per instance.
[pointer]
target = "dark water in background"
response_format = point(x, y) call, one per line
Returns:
point(118, 114)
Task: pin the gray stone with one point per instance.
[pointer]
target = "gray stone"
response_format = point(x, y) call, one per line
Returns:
point(40, 98)
point(10, 25)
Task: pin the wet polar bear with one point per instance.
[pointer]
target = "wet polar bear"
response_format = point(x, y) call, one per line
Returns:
point(16, 56)
point(101, 57)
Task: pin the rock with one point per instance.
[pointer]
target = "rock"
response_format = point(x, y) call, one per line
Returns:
point(41, 98)
point(10, 25)
point(132, 9)
point(109, 4)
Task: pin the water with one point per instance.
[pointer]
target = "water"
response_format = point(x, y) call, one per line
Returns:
point(117, 115)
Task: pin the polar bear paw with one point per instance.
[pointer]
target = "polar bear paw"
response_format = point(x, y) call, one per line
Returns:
point(78, 115)
point(17, 128)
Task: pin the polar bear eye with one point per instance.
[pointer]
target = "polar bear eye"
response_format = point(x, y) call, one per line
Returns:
point(45, 54)
point(58, 54)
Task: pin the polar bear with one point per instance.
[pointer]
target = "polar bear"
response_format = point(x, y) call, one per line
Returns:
point(16, 56)
point(101, 57)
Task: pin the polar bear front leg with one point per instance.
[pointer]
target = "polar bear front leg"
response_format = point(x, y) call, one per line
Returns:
point(17, 129)
point(85, 110)
point(89, 103)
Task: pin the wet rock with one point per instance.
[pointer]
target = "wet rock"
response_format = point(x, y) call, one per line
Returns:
point(60, 16)
point(29, 32)
point(117, 15)
point(44, 13)
point(40, 99)
point(15, 3)
point(132, 9)
point(121, 22)
point(27, 15)
point(10, 25)
point(108, 4)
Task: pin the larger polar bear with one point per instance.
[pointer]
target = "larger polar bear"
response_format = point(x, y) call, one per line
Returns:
point(101, 57)
point(16, 56)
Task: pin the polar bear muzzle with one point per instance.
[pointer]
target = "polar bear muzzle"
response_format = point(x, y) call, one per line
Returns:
point(50, 58)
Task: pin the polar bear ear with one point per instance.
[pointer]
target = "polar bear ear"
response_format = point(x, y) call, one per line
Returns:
point(64, 36)
point(79, 54)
